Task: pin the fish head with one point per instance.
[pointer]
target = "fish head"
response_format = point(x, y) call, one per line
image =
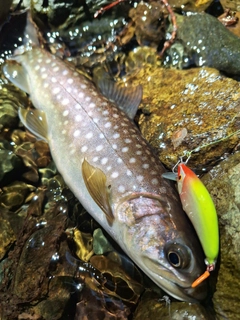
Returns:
point(165, 247)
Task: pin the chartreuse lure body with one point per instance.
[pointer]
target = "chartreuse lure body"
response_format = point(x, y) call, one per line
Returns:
point(198, 205)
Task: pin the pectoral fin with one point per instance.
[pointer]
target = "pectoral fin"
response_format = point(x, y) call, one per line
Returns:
point(35, 121)
point(170, 176)
point(95, 181)
point(15, 73)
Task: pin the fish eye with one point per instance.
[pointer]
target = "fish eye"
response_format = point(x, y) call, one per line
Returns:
point(177, 255)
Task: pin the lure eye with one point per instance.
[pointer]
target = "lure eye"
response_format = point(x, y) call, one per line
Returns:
point(178, 255)
point(179, 177)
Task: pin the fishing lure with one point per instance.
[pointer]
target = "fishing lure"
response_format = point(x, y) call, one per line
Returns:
point(199, 207)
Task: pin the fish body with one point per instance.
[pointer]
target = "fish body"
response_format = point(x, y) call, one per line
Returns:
point(198, 205)
point(111, 170)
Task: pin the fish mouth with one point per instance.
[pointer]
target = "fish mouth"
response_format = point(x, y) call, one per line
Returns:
point(182, 293)
point(175, 284)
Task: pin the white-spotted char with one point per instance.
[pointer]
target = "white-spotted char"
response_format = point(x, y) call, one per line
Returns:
point(111, 169)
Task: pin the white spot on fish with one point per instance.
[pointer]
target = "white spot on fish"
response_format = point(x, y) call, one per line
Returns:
point(119, 160)
point(109, 168)
point(154, 181)
point(89, 135)
point(115, 174)
point(39, 61)
point(115, 127)
point(77, 106)
point(43, 69)
point(45, 85)
point(76, 74)
point(140, 178)
point(99, 148)
point(69, 89)
point(107, 125)
point(153, 172)
point(53, 64)
point(64, 131)
point(101, 136)
point(125, 149)
point(78, 118)
point(104, 161)
point(69, 80)
point(92, 105)
point(65, 102)
point(105, 113)
point(138, 146)
point(72, 151)
point(37, 67)
point(76, 133)
point(145, 166)
point(90, 113)
point(48, 61)
point(116, 135)
point(129, 173)
point(121, 189)
point(115, 115)
point(138, 152)
point(81, 95)
point(87, 99)
point(114, 146)
point(95, 120)
point(65, 113)
point(65, 122)
point(83, 86)
point(128, 140)
point(65, 72)
point(56, 69)
point(95, 159)
point(84, 148)
point(132, 160)
point(53, 79)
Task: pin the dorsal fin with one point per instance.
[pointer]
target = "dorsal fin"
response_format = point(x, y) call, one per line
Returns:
point(35, 121)
point(95, 181)
point(126, 98)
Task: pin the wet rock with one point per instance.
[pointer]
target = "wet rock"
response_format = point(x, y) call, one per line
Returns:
point(7, 237)
point(208, 43)
point(8, 116)
point(92, 305)
point(62, 15)
point(33, 266)
point(152, 307)
point(15, 194)
point(5, 7)
point(190, 5)
point(149, 23)
point(185, 110)
point(223, 183)
point(9, 162)
point(230, 19)
point(100, 243)
point(59, 292)
point(83, 243)
point(233, 5)
point(118, 283)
